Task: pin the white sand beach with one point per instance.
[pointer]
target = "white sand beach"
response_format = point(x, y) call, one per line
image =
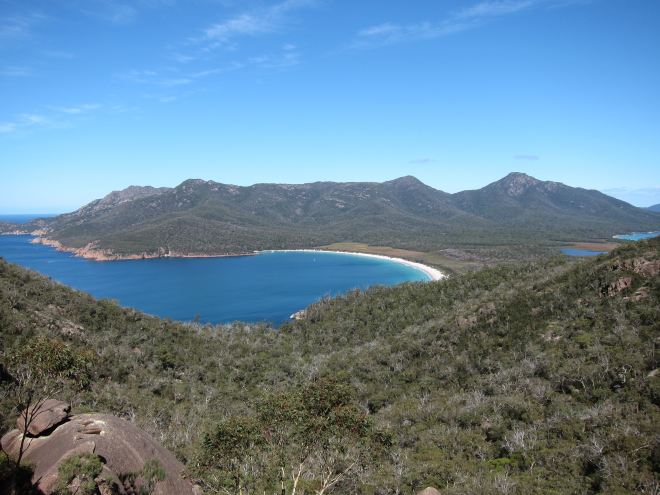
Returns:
point(432, 273)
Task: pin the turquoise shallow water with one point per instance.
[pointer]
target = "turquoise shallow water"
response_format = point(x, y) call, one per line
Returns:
point(637, 236)
point(266, 287)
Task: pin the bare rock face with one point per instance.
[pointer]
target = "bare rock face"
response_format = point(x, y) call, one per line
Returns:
point(123, 447)
point(647, 269)
point(619, 285)
point(429, 491)
point(468, 322)
point(43, 415)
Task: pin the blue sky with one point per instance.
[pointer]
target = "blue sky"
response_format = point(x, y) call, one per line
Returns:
point(96, 95)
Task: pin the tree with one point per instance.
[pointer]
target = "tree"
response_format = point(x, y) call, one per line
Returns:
point(317, 434)
point(40, 370)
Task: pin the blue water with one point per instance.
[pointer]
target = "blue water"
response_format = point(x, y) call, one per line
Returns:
point(266, 287)
point(24, 217)
point(581, 252)
point(637, 236)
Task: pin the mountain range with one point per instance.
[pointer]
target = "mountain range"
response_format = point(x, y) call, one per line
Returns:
point(208, 218)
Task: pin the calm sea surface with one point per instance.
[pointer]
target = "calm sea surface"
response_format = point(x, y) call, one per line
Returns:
point(23, 218)
point(266, 287)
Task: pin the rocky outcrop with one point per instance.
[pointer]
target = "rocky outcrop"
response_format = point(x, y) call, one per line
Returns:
point(429, 491)
point(644, 268)
point(619, 285)
point(122, 447)
point(42, 416)
point(647, 269)
point(641, 266)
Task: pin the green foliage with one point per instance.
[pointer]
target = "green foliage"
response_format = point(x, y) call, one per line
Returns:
point(153, 471)
point(528, 379)
point(514, 218)
point(84, 469)
point(51, 359)
point(144, 481)
point(310, 431)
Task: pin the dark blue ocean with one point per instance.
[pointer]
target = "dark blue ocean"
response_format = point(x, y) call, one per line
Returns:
point(267, 287)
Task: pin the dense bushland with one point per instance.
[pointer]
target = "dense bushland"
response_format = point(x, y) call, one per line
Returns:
point(536, 378)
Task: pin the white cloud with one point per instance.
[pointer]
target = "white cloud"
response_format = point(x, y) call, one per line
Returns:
point(253, 23)
point(22, 122)
point(78, 109)
point(120, 11)
point(30, 119)
point(286, 56)
point(496, 8)
point(54, 117)
point(7, 127)
point(389, 33)
point(244, 24)
point(16, 71)
point(19, 25)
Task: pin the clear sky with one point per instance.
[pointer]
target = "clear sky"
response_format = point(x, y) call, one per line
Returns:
point(96, 95)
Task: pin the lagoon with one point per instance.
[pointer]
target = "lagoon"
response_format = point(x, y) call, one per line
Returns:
point(269, 286)
point(637, 236)
point(581, 252)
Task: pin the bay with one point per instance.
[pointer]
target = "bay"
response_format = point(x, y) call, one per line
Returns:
point(269, 286)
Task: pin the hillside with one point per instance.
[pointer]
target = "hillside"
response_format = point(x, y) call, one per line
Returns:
point(205, 217)
point(655, 208)
point(529, 379)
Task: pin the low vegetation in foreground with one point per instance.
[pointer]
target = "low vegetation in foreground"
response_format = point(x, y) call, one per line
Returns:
point(532, 379)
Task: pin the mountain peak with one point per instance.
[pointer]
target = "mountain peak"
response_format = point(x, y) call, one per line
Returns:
point(193, 183)
point(520, 177)
point(516, 183)
point(406, 180)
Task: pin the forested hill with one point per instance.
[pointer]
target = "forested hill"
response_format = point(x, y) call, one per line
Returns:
point(211, 218)
point(530, 379)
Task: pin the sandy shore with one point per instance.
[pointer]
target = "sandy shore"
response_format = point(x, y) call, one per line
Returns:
point(432, 273)
point(92, 252)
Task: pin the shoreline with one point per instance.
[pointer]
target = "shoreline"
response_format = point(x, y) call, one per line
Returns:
point(433, 273)
point(92, 252)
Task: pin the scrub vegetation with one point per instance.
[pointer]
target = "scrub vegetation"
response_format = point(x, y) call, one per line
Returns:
point(537, 378)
